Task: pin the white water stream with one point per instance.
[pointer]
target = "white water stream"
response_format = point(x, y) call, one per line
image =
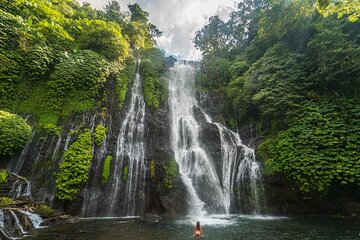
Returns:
point(207, 192)
point(129, 174)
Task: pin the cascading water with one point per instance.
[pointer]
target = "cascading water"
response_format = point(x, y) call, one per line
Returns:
point(17, 222)
point(17, 165)
point(35, 219)
point(239, 165)
point(129, 174)
point(92, 193)
point(196, 167)
point(20, 188)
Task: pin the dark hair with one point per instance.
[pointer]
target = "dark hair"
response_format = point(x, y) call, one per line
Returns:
point(197, 225)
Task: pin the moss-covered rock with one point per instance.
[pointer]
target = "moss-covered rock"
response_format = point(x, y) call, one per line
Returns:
point(74, 170)
point(99, 135)
point(4, 176)
point(106, 170)
point(6, 201)
point(45, 211)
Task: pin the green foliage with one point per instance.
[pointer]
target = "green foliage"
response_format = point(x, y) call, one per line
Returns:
point(4, 176)
point(6, 201)
point(140, 31)
point(123, 79)
point(99, 135)
point(37, 61)
point(152, 169)
point(14, 133)
point(106, 170)
point(49, 129)
point(171, 171)
point(104, 38)
point(9, 75)
point(137, 14)
point(348, 8)
point(232, 123)
point(45, 211)
point(56, 56)
point(295, 74)
point(85, 70)
point(125, 173)
point(269, 86)
point(152, 66)
point(211, 38)
point(320, 147)
point(74, 169)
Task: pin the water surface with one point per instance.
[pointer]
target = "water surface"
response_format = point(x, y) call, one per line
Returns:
point(215, 227)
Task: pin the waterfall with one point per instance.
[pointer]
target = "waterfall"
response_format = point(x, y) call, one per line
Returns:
point(17, 222)
point(13, 228)
point(92, 193)
point(18, 189)
point(16, 166)
point(196, 168)
point(238, 165)
point(35, 219)
point(237, 168)
point(2, 225)
point(129, 174)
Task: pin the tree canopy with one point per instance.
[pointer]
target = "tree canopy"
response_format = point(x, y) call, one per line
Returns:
point(295, 74)
point(56, 55)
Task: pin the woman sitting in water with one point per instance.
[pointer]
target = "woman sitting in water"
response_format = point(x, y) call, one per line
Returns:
point(198, 231)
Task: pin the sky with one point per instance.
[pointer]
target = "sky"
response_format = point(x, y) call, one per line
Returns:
point(178, 20)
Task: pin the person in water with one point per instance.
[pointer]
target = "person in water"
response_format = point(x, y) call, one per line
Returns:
point(198, 231)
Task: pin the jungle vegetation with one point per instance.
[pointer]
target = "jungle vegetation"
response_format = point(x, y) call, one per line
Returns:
point(293, 68)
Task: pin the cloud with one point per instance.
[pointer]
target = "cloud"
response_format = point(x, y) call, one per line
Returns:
point(178, 20)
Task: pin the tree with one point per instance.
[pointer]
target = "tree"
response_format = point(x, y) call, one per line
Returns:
point(243, 21)
point(349, 8)
point(14, 133)
point(113, 12)
point(137, 14)
point(212, 37)
point(105, 38)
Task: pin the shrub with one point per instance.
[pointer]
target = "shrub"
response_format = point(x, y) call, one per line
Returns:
point(106, 170)
point(171, 172)
point(45, 211)
point(6, 201)
point(321, 146)
point(125, 76)
point(126, 173)
point(155, 87)
point(77, 80)
point(100, 134)
point(50, 129)
point(4, 176)
point(74, 170)
point(14, 133)
point(152, 169)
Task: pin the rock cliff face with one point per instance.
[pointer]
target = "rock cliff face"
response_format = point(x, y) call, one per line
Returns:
point(280, 195)
point(158, 150)
point(40, 159)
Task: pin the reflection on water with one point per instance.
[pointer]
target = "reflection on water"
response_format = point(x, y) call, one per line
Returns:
point(215, 227)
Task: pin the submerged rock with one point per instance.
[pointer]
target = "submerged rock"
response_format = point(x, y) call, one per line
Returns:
point(151, 218)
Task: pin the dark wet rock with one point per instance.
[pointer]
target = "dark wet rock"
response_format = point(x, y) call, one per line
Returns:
point(210, 139)
point(158, 150)
point(151, 218)
point(170, 61)
point(174, 200)
point(54, 221)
